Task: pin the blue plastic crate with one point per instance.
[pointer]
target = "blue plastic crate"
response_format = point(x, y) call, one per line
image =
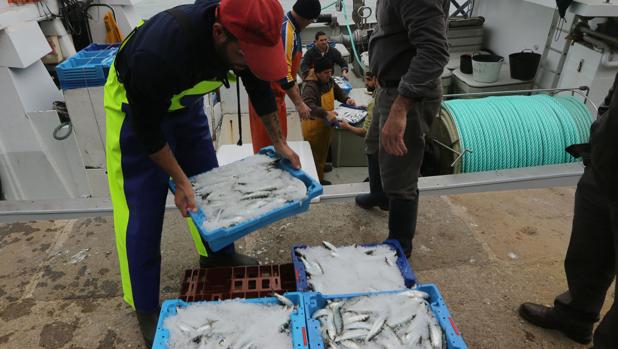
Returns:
point(300, 339)
point(88, 67)
point(344, 84)
point(315, 301)
point(221, 237)
point(409, 278)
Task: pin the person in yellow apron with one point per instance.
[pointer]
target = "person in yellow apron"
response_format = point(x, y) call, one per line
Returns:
point(320, 92)
point(157, 129)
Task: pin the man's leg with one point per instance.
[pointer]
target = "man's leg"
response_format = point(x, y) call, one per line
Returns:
point(376, 195)
point(400, 173)
point(259, 135)
point(138, 189)
point(318, 135)
point(590, 267)
point(195, 153)
point(606, 334)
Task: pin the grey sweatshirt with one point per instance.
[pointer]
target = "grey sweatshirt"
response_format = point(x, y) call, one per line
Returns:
point(410, 46)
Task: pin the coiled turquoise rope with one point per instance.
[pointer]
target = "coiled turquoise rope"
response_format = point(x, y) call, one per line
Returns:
point(518, 131)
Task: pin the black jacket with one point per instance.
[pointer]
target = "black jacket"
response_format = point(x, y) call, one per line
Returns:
point(161, 60)
point(314, 54)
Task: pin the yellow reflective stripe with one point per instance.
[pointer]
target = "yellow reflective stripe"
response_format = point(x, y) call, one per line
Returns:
point(113, 98)
point(201, 88)
point(289, 49)
point(197, 238)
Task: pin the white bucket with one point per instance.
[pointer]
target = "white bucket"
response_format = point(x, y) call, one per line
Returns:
point(486, 68)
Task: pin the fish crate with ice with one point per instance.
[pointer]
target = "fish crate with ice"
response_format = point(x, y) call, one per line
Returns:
point(407, 273)
point(221, 235)
point(210, 284)
point(170, 308)
point(350, 114)
point(451, 337)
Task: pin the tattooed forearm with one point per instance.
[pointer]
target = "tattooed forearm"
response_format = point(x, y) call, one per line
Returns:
point(271, 123)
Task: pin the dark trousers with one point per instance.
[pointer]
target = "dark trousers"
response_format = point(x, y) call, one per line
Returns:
point(591, 262)
point(400, 173)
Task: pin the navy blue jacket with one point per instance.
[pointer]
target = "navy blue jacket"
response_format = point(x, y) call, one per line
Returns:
point(162, 60)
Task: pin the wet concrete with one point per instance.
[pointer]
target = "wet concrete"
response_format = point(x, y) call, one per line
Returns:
point(60, 285)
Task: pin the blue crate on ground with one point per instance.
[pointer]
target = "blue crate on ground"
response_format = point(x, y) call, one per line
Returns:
point(221, 237)
point(88, 67)
point(300, 339)
point(315, 301)
point(302, 284)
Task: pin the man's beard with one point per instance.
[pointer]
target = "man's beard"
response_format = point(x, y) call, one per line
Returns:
point(370, 89)
point(221, 50)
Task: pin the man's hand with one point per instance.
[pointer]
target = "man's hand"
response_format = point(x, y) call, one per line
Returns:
point(344, 73)
point(392, 133)
point(303, 110)
point(350, 101)
point(283, 149)
point(344, 125)
point(184, 198)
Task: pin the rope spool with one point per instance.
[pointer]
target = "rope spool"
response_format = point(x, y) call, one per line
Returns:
point(510, 131)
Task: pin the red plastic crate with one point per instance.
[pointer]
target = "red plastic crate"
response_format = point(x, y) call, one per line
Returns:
point(210, 284)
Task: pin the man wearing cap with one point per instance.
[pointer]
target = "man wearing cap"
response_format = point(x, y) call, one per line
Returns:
point(320, 92)
point(157, 129)
point(303, 13)
point(407, 52)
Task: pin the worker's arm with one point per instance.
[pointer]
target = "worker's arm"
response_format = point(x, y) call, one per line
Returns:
point(341, 97)
point(263, 101)
point(149, 98)
point(313, 97)
point(289, 82)
point(359, 131)
point(426, 23)
point(338, 59)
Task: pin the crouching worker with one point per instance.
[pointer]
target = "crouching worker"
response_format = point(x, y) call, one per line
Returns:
point(319, 93)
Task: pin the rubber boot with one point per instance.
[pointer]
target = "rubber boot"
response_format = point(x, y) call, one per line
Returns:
point(148, 325)
point(227, 257)
point(402, 222)
point(376, 195)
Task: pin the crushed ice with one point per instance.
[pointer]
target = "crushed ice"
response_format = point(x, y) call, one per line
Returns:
point(352, 269)
point(230, 324)
point(243, 190)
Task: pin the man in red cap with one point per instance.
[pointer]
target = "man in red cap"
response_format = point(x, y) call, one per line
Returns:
point(303, 13)
point(157, 129)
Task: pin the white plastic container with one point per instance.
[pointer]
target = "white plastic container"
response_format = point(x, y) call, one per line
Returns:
point(486, 68)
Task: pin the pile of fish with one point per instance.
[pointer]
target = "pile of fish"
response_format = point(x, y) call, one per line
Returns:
point(351, 269)
point(231, 324)
point(393, 321)
point(351, 115)
point(243, 190)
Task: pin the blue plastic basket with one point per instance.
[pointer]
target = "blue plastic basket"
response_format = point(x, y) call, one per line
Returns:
point(315, 301)
point(344, 84)
point(221, 237)
point(409, 278)
point(299, 328)
point(88, 67)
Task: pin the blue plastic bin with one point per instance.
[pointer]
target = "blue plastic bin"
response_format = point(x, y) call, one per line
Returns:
point(88, 67)
point(299, 329)
point(221, 237)
point(315, 301)
point(344, 84)
point(409, 278)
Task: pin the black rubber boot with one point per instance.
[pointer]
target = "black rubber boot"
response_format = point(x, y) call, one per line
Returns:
point(402, 222)
point(148, 326)
point(376, 195)
point(227, 257)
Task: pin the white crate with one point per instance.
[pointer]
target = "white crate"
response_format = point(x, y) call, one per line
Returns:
point(22, 44)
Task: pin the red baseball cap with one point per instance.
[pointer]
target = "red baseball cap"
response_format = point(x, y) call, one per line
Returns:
point(257, 26)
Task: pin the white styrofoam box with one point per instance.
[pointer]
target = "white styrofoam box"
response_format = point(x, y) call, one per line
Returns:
point(35, 87)
point(85, 126)
point(343, 50)
point(99, 187)
point(63, 155)
point(12, 15)
point(22, 44)
point(66, 45)
point(53, 27)
point(126, 18)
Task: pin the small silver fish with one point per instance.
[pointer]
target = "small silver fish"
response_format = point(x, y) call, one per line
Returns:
point(330, 326)
point(337, 318)
point(389, 262)
point(435, 336)
point(353, 334)
point(415, 294)
point(357, 325)
point(329, 246)
point(320, 313)
point(357, 318)
point(375, 328)
point(283, 300)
